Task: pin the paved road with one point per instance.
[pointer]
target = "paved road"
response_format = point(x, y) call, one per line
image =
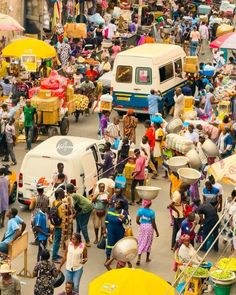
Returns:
point(162, 257)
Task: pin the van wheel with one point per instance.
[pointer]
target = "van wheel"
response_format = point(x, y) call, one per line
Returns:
point(64, 126)
point(52, 131)
point(13, 194)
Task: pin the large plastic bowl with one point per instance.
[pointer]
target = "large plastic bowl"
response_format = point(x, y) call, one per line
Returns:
point(125, 249)
point(148, 192)
point(176, 163)
point(210, 148)
point(189, 175)
point(174, 126)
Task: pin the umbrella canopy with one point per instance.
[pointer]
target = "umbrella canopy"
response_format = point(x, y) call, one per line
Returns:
point(8, 23)
point(29, 46)
point(224, 170)
point(129, 281)
point(227, 41)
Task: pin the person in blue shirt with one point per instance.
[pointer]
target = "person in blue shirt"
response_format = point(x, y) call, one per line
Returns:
point(42, 229)
point(13, 230)
point(153, 99)
point(211, 194)
point(147, 225)
point(115, 219)
point(188, 225)
point(225, 143)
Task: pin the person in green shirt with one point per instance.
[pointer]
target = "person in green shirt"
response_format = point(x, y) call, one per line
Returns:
point(29, 122)
point(83, 208)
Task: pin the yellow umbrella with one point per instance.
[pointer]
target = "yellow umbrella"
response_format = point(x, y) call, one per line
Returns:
point(129, 281)
point(29, 46)
point(224, 170)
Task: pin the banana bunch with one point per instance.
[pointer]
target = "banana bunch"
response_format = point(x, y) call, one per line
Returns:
point(81, 102)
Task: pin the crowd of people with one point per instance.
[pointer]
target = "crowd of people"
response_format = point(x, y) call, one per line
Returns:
point(195, 212)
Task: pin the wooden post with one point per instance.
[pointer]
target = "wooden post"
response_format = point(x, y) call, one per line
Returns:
point(140, 12)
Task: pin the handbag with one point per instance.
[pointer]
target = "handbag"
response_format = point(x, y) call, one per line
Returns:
point(102, 243)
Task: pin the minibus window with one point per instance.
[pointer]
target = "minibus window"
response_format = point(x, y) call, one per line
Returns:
point(143, 76)
point(166, 72)
point(178, 67)
point(124, 74)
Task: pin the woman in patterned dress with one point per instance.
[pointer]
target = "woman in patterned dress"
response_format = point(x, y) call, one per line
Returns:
point(147, 225)
point(45, 271)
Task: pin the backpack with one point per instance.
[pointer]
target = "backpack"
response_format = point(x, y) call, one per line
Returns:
point(54, 216)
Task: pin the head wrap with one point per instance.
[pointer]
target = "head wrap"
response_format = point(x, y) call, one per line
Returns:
point(146, 203)
point(130, 111)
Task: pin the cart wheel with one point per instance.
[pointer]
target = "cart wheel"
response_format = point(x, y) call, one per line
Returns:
point(35, 134)
point(64, 126)
point(52, 131)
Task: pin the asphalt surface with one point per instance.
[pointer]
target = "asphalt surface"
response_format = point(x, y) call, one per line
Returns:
point(161, 255)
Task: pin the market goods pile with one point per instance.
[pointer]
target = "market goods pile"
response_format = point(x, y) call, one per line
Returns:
point(228, 264)
point(197, 272)
point(222, 275)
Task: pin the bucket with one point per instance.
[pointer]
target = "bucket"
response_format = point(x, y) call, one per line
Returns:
point(222, 289)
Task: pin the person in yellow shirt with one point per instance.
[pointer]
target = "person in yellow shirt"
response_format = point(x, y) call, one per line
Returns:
point(4, 68)
point(56, 220)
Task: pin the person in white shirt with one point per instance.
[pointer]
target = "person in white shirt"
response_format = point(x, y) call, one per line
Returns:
point(111, 29)
point(191, 134)
point(200, 151)
point(109, 185)
point(113, 131)
point(179, 103)
point(204, 33)
point(187, 253)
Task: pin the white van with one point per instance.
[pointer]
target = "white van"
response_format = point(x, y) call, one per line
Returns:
point(150, 66)
point(79, 156)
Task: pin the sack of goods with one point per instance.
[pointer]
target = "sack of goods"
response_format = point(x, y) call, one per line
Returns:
point(73, 30)
point(179, 143)
point(81, 102)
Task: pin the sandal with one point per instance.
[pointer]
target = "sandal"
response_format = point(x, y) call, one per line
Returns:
point(138, 262)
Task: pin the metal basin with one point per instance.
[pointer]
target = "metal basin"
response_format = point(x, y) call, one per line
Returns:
point(148, 192)
point(176, 163)
point(189, 175)
point(125, 249)
point(194, 159)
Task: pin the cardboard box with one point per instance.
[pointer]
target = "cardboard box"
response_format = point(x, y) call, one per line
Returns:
point(193, 60)
point(51, 118)
point(189, 68)
point(47, 105)
point(69, 93)
point(44, 93)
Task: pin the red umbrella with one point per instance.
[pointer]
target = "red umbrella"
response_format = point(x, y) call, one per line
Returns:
point(227, 41)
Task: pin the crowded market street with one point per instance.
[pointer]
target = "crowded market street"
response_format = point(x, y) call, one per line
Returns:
point(118, 147)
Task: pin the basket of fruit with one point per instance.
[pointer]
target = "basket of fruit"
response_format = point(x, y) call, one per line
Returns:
point(223, 277)
point(197, 272)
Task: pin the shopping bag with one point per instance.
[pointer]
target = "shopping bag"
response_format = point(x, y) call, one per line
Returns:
point(102, 243)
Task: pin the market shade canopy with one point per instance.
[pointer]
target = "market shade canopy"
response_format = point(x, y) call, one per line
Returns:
point(224, 170)
point(227, 41)
point(7, 23)
point(29, 46)
point(129, 281)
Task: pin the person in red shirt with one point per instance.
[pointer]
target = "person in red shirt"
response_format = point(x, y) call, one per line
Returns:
point(150, 133)
point(138, 174)
point(91, 74)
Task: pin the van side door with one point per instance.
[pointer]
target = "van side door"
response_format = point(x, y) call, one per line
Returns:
point(90, 170)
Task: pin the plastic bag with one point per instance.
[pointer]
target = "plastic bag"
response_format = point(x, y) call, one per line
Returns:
point(96, 18)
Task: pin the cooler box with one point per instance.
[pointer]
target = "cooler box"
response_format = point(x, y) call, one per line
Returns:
point(193, 60)
point(120, 181)
point(204, 9)
point(47, 105)
point(129, 169)
point(44, 93)
point(189, 68)
point(106, 102)
point(51, 118)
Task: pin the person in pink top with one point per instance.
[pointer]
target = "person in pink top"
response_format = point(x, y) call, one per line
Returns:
point(204, 33)
point(115, 49)
point(138, 174)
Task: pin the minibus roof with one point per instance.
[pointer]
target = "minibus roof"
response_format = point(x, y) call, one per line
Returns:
point(155, 50)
